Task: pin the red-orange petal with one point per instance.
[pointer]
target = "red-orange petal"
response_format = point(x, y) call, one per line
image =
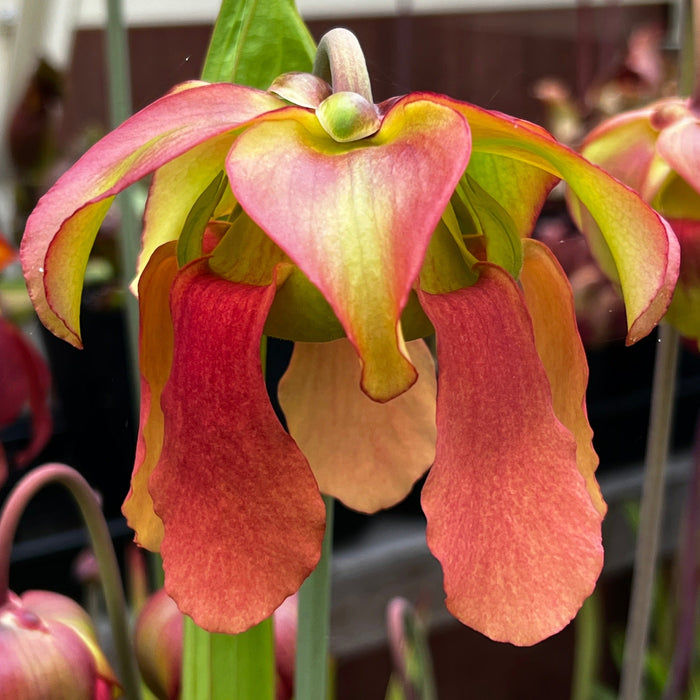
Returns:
point(365, 453)
point(242, 514)
point(509, 516)
point(155, 359)
point(550, 303)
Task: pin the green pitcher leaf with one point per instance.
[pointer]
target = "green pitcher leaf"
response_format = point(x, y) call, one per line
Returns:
point(482, 215)
point(254, 41)
point(189, 245)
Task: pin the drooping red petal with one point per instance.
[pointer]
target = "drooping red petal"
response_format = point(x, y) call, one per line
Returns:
point(12, 372)
point(366, 454)
point(509, 516)
point(356, 217)
point(242, 514)
point(550, 304)
point(25, 383)
point(155, 359)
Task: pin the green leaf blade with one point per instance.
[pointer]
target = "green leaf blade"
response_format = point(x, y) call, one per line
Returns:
point(254, 42)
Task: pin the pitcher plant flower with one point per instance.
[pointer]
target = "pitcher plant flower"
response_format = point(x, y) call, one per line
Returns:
point(656, 151)
point(355, 229)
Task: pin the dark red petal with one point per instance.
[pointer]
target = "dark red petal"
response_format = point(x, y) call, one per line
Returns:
point(242, 514)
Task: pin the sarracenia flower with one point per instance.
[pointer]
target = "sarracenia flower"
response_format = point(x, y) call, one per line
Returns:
point(656, 151)
point(309, 213)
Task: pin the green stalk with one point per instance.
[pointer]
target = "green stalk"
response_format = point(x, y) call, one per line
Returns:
point(632, 673)
point(228, 667)
point(653, 490)
point(101, 543)
point(587, 650)
point(129, 239)
point(688, 587)
point(313, 627)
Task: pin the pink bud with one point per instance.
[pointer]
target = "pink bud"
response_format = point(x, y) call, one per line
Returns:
point(158, 638)
point(49, 650)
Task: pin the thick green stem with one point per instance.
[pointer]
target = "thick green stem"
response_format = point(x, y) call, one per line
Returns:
point(340, 62)
point(228, 667)
point(653, 490)
point(313, 627)
point(101, 543)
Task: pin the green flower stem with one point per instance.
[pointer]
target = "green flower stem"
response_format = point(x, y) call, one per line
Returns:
point(128, 241)
point(101, 542)
point(228, 667)
point(688, 586)
point(653, 491)
point(313, 626)
point(340, 62)
point(118, 64)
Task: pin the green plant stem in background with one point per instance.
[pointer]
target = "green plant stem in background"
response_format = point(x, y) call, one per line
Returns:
point(688, 585)
point(653, 491)
point(413, 677)
point(101, 543)
point(129, 239)
point(589, 643)
point(313, 628)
